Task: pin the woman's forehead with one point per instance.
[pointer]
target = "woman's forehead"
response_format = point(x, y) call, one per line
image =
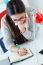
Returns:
point(18, 15)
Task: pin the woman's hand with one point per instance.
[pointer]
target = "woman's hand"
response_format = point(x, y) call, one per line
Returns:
point(22, 51)
point(19, 51)
point(13, 48)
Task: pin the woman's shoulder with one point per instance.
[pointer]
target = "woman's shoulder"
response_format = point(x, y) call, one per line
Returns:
point(3, 20)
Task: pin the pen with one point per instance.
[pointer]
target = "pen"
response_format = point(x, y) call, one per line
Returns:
point(41, 52)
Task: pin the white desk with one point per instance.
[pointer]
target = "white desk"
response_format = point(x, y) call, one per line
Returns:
point(35, 46)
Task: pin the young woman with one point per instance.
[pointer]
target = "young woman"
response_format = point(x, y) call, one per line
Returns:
point(14, 27)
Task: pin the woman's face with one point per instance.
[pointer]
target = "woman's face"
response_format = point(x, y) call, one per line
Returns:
point(20, 20)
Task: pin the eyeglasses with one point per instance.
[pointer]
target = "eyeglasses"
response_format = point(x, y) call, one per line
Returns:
point(23, 18)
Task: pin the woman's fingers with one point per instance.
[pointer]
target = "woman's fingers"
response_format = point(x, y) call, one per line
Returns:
point(22, 51)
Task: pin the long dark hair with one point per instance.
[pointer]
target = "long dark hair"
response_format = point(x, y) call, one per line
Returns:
point(15, 6)
point(19, 7)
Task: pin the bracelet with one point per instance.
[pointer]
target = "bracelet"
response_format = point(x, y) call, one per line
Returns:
point(17, 46)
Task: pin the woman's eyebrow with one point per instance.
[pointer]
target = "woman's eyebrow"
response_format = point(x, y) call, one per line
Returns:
point(19, 18)
point(22, 17)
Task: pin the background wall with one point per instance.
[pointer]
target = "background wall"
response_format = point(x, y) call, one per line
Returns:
point(38, 4)
point(3, 1)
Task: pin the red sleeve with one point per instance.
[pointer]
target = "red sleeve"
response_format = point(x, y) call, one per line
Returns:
point(2, 14)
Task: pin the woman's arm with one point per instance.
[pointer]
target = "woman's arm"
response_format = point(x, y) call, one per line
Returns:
point(8, 40)
point(7, 36)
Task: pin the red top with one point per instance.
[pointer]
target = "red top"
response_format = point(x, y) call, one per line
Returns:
point(2, 14)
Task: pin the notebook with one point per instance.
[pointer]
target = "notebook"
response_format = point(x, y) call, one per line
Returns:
point(14, 57)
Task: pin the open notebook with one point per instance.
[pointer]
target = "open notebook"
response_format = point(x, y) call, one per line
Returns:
point(14, 57)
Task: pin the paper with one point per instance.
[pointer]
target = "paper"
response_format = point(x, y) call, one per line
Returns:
point(14, 57)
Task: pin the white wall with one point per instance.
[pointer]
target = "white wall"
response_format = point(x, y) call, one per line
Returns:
point(26, 2)
point(1, 1)
point(2, 6)
point(38, 4)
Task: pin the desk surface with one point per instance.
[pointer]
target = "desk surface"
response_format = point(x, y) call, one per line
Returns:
point(35, 47)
